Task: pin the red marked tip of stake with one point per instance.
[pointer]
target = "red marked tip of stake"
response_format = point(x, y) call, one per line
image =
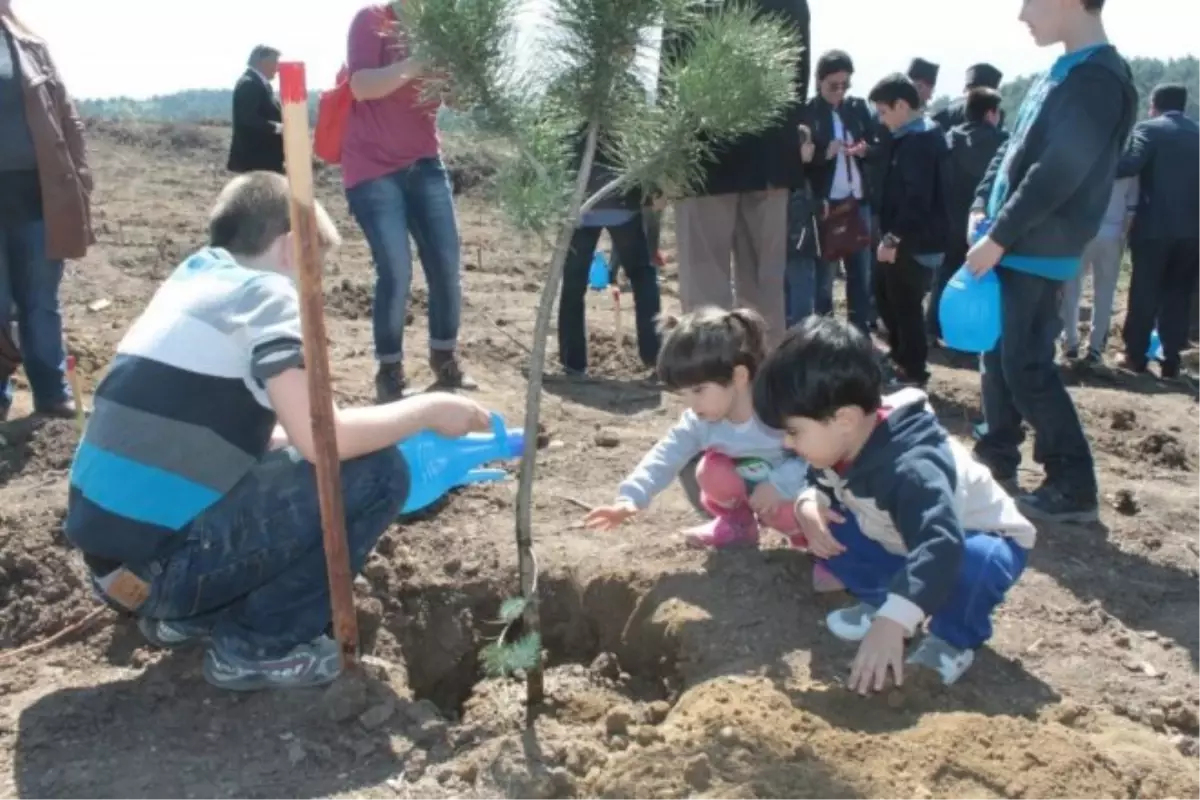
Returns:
point(292, 86)
point(70, 363)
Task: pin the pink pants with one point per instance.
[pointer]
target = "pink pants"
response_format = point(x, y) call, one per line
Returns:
point(723, 491)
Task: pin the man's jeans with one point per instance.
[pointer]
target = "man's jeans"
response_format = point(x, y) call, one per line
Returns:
point(252, 571)
point(418, 201)
point(1021, 382)
point(630, 241)
point(859, 289)
point(30, 281)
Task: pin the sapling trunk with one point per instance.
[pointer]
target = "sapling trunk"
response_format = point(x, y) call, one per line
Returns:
point(526, 563)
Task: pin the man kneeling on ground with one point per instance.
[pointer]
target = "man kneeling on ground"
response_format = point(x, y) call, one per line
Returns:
point(193, 496)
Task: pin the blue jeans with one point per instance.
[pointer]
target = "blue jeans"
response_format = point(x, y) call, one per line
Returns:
point(417, 200)
point(990, 565)
point(1022, 382)
point(30, 282)
point(859, 290)
point(252, 571)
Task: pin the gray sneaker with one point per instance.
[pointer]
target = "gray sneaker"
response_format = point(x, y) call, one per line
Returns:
point(168, 635)
point(1050, 504)
point(851, 624)
point(314, 664)
point(948, 661)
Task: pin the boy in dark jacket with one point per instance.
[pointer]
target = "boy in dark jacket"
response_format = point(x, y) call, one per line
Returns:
point(1045, 194)
point(972, 147)
point(896, 508)
point(912, 219)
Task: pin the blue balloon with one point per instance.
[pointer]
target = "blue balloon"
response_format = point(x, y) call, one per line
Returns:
point(970, 312)
point(598, 273)
point(437, 464)
point(1155, 351)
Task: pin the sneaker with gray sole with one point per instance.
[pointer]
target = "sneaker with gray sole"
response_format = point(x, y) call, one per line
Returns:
point(168, 635)
point(1050, 504)
point(313, 664)
point(948, 661)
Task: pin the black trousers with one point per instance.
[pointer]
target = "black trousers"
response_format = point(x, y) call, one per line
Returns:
point(956, 255)
point(899, 290)
point(1160, 293)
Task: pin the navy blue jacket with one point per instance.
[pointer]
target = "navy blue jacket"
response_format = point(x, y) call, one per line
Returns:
point(1164, 154)
point(1048, 187)
point(913, 200)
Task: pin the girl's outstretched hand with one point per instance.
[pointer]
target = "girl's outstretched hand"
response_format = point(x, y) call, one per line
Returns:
point(603, 518)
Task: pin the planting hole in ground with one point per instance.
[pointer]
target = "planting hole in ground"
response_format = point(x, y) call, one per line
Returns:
point(441, 631)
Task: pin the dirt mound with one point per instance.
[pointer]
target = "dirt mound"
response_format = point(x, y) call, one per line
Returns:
point(1164, 450)
point(42, 585)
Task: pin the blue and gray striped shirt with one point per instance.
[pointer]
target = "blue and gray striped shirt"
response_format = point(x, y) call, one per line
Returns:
point(182, 413)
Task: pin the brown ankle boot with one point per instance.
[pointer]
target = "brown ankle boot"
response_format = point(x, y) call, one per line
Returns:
point(390, 383)
point(447, 371)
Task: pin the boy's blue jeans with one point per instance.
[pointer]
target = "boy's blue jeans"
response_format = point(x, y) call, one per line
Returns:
point(1022, 382)
point(30, 281)
point(990, 565)
point(419, 201)
point(252, 571)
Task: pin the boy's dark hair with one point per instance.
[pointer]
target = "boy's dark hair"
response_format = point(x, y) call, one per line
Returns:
point(832, 62)
point(893, 89)
point(823, 364)
point(981, 102)
point(252, 211)
point(706, 345)
point(1094, 6)
point(1169, 97)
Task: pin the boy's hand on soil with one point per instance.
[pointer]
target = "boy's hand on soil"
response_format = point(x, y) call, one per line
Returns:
point(814, 520)
point(604, 518)
point(764, 498)
point(881, 649)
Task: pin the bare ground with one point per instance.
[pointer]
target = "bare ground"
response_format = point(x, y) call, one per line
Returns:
point(674, 673)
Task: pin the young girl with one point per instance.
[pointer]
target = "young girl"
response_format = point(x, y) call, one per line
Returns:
point(746, 477)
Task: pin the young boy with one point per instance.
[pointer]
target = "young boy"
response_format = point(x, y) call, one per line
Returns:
point(912, 218)
point(1045, 194)
point(901, 513)
point(183, 516)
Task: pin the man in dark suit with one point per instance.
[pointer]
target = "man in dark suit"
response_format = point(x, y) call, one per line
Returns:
point(1164, 153)
point(257, 119)
point(979, 76)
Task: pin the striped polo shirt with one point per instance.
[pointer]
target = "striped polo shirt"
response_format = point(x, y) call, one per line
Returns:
point(182, 413)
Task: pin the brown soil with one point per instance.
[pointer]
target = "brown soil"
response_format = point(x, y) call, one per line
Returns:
point(673, 673)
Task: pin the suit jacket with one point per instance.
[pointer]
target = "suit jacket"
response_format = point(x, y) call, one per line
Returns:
point(860, 126)
point(255, 145)
point(769, 159)
point(1164, 153)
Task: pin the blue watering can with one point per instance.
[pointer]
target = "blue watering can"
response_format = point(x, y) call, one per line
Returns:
point(969, 310)
point(598, 273)
point(437, 464)
point(1155, 351)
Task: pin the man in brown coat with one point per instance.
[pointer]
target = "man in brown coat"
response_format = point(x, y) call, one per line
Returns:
point(45, 189)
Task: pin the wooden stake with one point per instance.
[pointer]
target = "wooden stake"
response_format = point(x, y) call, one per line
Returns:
point(297, 150)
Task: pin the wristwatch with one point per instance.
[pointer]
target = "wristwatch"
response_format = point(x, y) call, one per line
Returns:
point(891, 241)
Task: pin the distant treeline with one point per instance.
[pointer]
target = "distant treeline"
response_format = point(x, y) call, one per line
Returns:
point(215, 104)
